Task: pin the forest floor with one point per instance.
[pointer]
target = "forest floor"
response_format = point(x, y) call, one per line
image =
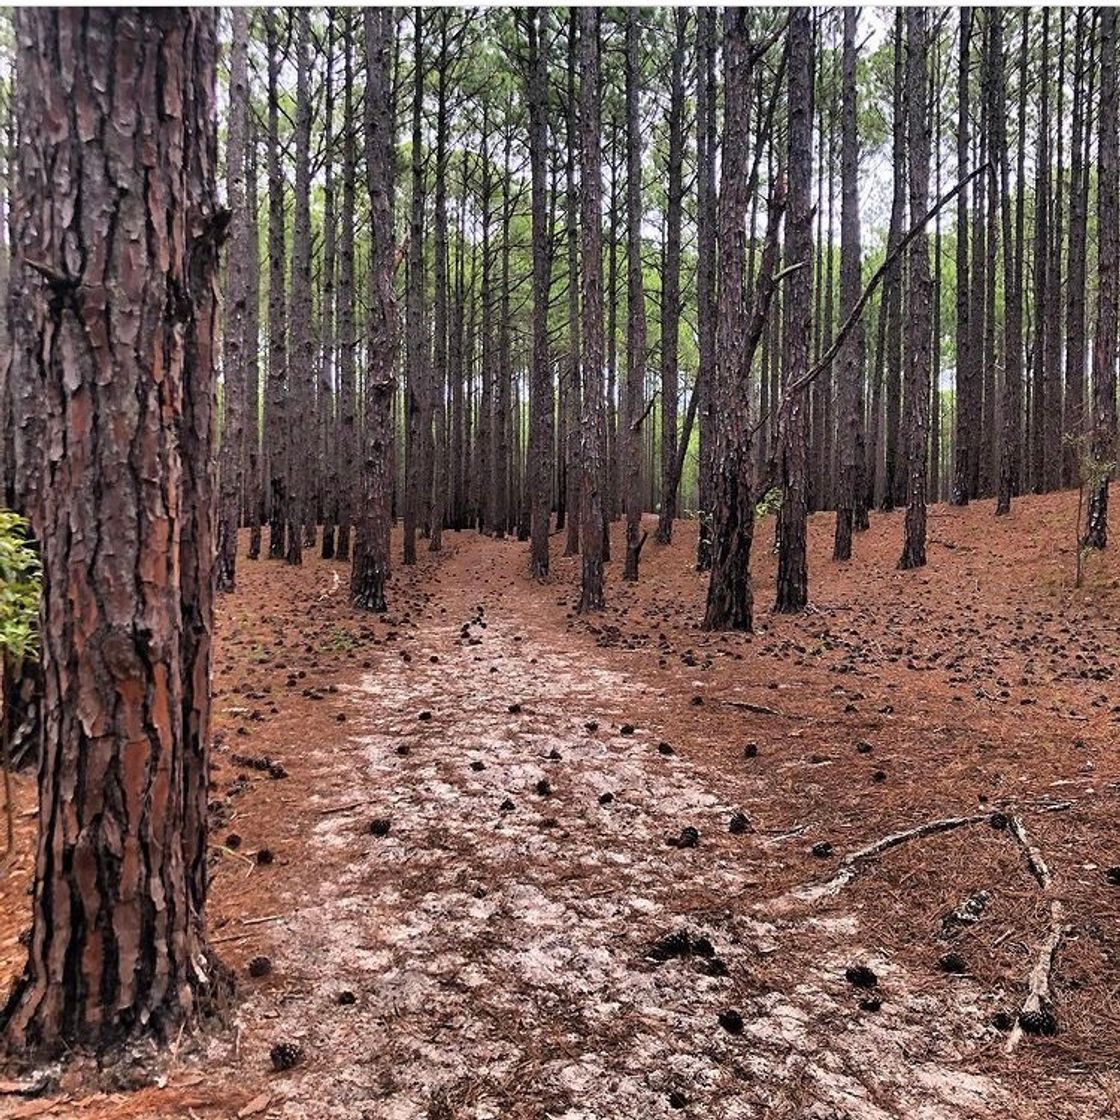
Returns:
point(501, 950)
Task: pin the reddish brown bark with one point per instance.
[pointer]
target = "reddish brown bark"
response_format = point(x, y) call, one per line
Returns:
point(120, 323)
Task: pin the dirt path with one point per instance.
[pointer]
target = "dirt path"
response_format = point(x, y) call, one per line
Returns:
point(501, 950)
point(498, 940)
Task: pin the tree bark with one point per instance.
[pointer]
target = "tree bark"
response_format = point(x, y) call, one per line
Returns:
point(347, 335)
point(237, 291)
point(370, 571)
point(671, 284)
point(571, 448)
point(852, 357)
point(793, 573)
point(730, 602)
point(592, 419)
point(918, 361)
point(706, 312)
point(539, 466)
point(276, 404)
point(635, 305)
point(892, 284)
point(127, 515)
point(1103, 449)
point(328, 378)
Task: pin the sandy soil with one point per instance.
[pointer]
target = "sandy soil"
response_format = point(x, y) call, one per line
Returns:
point(477, 853)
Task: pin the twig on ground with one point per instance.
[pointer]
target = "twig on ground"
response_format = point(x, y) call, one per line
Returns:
point(759, 709)
point(1038, 982)
point(852, 863)
point(340, 808)
point(1034, 858)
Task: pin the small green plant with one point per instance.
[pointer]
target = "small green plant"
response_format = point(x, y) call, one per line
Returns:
point(769, 503)
point(21, 585)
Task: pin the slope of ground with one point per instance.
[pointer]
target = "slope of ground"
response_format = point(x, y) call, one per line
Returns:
point(473, 851)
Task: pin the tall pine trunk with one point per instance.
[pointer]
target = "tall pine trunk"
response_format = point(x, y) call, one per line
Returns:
point(918, 305)
point(126, 514)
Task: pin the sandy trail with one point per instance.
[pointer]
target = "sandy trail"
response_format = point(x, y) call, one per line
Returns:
point(497, 940)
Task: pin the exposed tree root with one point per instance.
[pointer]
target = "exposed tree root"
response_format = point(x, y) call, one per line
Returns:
point(1036, 1007)
point(1033, 856)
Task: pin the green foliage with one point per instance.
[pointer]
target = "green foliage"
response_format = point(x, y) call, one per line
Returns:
point(769, 503)
point(20, 588)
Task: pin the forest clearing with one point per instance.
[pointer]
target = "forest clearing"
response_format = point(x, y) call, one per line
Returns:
point(555, 563)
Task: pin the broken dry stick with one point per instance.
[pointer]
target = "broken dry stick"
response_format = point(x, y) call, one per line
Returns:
point(1033, 856)
point(1038, 983)
point(850, 865)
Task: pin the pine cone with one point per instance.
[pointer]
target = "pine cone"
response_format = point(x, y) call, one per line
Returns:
point(1041, 1021)
point(285, 1055)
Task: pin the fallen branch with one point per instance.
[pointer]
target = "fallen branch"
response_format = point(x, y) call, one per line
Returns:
point(852, 863)
point(1034, 858)
point(340, 808)
point(758, 709)
point(1038, 1001)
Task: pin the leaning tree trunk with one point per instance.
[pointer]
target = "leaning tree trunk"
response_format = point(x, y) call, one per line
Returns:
point(918, 361)
point(118, 941)
point(237, 293)
point(370, 571)
point(1103, 451)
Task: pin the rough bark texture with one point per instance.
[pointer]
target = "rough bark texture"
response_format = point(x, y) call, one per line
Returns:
point(276, 404)
point(671, 285)
point(415, 390)
point(370, 571)
point(254, 504)
point(1108, 290)
point(539, 465)
point(793, 572)
point(119, 324)
point(301, 366)
point(730, 602)
point(593, 421)
point(347, 338)
point(571, 447)
point(635, 305)
point(439, 239)
point(893, 481)
point(918, 309)
point(964, 431)
point(234, 373)
point(851, 449)
point(1013, 302)
point(327, 394)
point(1073, 413)
point(706, 220)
